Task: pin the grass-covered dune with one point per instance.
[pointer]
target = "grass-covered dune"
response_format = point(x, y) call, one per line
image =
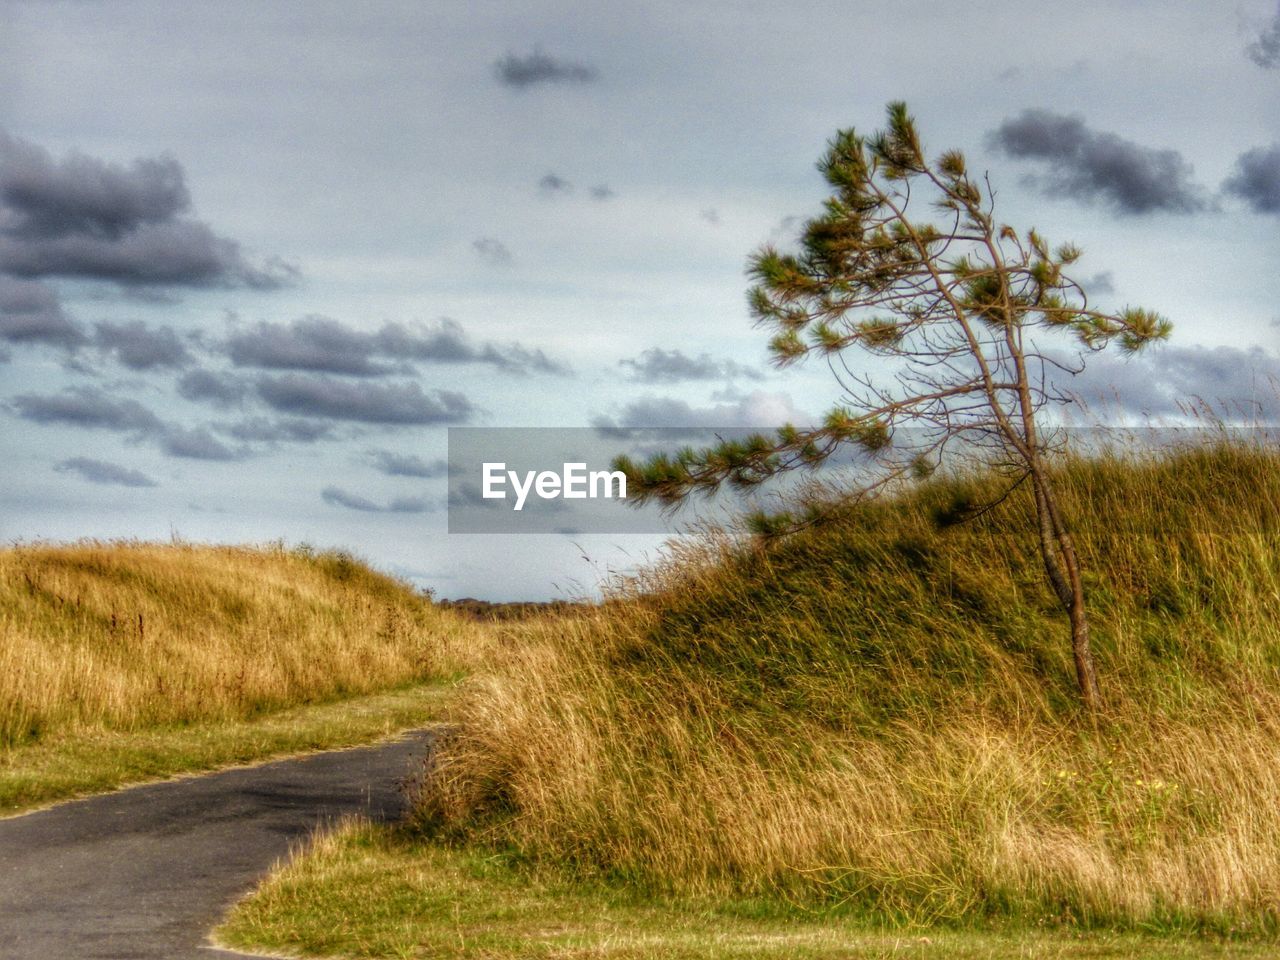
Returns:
point(880, 713)
point(128, 635)
point(101, 641)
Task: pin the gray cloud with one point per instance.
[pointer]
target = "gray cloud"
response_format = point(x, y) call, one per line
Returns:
point(313, 343)
point(755, 410)
point(551, 184)
point(321, 345)
point(328, 398)
point(88, 407)
point(341, 498)
point(31, 313)
point(95, 409)
point(1265, 51)
point(492, 251)
point(446, 342)
point(1256, 180)
point(407, 465)
point(171, 254)
point(100, 471)
point(539, 68)
point(602, 191)
point(221, 389)
point(1102, 282)
point(140, 347)
point(465, 494)
point(409, 505)
point(1091, 166)
point(41, 198)
point(194, 443)
point(1166, 381)
point(81, 217)
point(656, 365)
point(288, 430)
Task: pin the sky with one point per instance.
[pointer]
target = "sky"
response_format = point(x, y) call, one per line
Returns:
point(256, 258)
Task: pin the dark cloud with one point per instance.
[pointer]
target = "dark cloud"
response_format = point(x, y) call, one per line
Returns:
point(328, 398)
point(1087, 165)
point(1256, 180)
point(193, 443)
point(340, 498)
point(313, 343)
point(352, 501)
point(671, 366)
point(711, 215)
point(322, 345)
point(43, 198)
point(183, 253)
point(140, 347)
point(94, 408)
point(88, 407)
point(81, 217)
point(492, 251)
point(100, 471)
point(31, 313)
point(1167, 381)
point(407, 465)
point(1265, 51)
point(538, 68)
point(602, 191)
point(446, 342)
point(288, 430)
point(221, 389)
point(551, 184)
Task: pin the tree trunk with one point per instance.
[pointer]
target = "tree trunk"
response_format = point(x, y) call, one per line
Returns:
point(1063, 570)
point(1086, 675)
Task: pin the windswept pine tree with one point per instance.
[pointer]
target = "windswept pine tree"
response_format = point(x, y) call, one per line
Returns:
point(965, 307)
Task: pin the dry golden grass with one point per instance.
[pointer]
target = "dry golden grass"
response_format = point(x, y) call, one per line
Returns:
point(881, 715)
point(128, 636)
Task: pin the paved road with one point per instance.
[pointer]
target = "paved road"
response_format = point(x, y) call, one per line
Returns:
point(146, 872)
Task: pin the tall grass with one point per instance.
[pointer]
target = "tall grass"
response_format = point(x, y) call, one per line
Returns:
point(124, 636)
point(881, 713)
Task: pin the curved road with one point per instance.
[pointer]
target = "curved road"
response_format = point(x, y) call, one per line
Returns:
point(146, 872)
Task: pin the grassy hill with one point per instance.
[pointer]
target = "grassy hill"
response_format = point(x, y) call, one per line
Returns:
point(879, 715)
point(123, 661)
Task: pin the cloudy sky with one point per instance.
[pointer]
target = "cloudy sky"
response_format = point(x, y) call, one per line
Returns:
point(256, 257)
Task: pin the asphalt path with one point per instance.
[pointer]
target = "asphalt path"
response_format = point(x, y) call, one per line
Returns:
point(147, 872)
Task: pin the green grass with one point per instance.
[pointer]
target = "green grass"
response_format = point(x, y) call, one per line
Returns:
point(369, 892)
point(81, 762)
